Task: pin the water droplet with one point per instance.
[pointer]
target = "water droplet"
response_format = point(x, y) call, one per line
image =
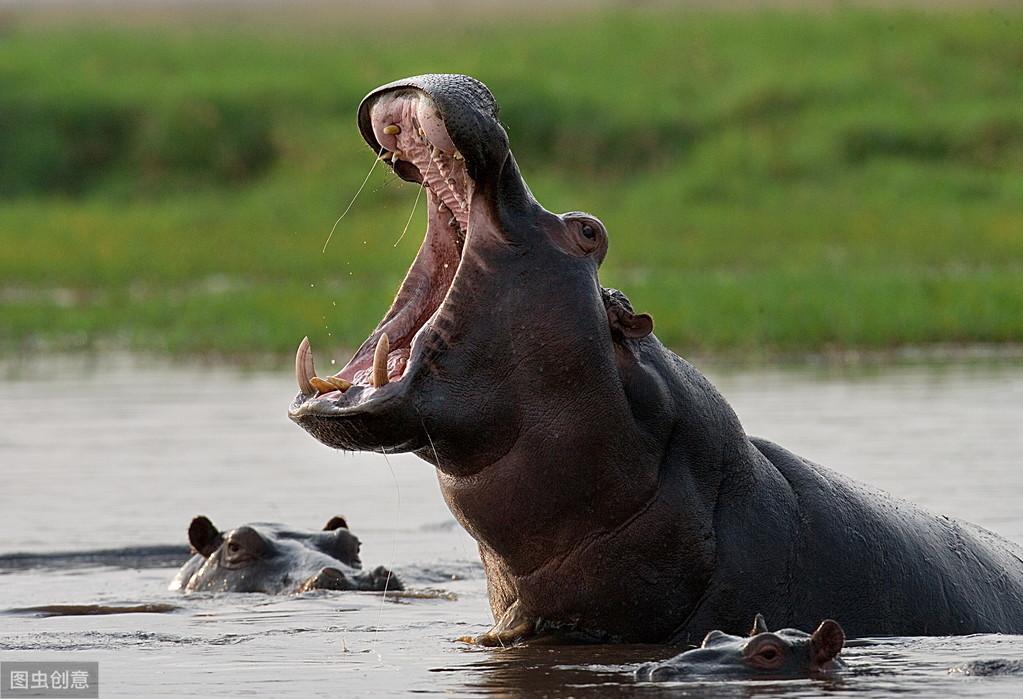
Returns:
point(333, 362)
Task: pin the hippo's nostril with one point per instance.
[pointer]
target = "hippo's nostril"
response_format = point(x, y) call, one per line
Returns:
point(643, 672)
point(658, 672)
point(664, 673)
point(331, 579)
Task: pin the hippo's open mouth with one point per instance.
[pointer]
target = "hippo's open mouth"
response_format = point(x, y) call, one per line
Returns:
point(413, 138)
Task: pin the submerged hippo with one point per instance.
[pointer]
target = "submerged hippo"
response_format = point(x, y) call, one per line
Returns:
point(783, 654)
point(611, 488)
point(273, 559)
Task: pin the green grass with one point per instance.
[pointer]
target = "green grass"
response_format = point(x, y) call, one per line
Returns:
point(772, 181)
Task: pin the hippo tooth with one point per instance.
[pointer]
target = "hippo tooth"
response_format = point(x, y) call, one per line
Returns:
point(321, 385)
point(304, 369)
point(331, 383)
point(338, 383)
point(380, 361)
point(397, 155)
point(458, 156)
point(386, 156)
point(392, 130)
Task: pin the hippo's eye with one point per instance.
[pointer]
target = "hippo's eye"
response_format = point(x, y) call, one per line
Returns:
point(588, 234)
point(581, 236)
point(233, 547)
point(767, 656)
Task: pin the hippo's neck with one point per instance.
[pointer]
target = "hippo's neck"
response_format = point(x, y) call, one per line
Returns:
point(571, 529)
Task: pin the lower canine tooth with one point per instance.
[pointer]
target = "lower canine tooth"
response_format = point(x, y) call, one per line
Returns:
point(321, 385)
point(380, 361)
point(338, 383)
point(304, 369)
point(392, 130)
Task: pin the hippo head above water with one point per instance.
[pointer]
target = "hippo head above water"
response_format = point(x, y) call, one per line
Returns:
point(782, 654)
point(456, 351)
point(274, 559)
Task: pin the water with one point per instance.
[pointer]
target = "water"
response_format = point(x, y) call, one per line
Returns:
point(125, 453)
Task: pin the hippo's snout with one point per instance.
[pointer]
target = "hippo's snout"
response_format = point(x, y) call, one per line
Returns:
point(657, 672)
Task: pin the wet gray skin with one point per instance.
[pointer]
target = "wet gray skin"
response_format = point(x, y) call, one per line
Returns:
point(612, 490)
point(764, 654)
point(274, 559)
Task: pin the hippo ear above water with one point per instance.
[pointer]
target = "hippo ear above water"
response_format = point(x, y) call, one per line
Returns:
point(335, 522)
point(624, 321)
point(759, 625)
point(632, 325)
point(204, 536)
point(826, 642)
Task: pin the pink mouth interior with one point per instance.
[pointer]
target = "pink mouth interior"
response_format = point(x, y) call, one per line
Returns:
point(425, 152)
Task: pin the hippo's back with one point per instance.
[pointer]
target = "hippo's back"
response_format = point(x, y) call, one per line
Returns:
point(886, 567)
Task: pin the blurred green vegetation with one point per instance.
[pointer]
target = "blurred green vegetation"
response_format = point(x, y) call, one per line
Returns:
point(772, 181)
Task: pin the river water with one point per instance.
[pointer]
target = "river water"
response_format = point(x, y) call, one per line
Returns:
point(125, 451)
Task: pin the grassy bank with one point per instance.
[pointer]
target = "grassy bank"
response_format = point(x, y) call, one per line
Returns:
point(772, 181)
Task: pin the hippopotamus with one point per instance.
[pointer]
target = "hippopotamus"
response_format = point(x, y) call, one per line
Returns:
point(766, 655)
point(275, 559)
point(612, 490)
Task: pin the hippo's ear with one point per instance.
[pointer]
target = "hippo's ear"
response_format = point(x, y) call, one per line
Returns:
point(826, 642)
point(204, 537)
point(625, 323)
point(336, 522)
point(759, 625)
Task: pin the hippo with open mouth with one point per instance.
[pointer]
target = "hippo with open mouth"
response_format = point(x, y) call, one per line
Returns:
point(764, 655)
point(274, 559)
point(612, 490)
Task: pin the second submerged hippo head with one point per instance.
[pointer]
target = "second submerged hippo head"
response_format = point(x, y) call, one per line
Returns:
point(764, 654)
point(272, 558)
